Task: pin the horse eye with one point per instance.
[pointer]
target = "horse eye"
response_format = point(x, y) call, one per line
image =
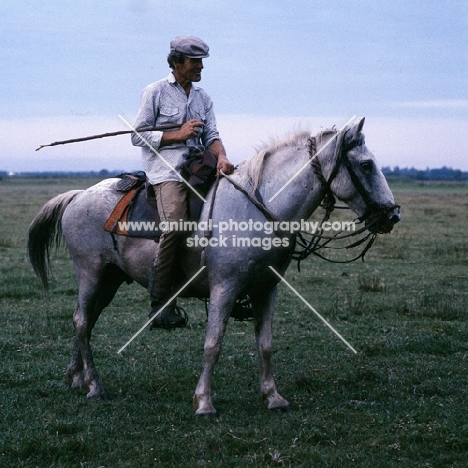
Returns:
point(367, 166)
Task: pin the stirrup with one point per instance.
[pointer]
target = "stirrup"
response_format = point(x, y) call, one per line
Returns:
point(169, 318)
point(242, 310)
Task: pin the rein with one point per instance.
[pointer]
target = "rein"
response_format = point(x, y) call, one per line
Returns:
point(305, 247)
point(312, 245)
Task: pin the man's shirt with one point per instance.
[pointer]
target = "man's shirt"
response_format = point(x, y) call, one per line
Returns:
point(165, 102)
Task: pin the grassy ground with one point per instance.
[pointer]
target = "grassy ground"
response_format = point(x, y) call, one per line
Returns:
point(401, 401)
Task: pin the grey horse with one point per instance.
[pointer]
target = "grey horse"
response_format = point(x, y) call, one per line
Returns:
point(287, 180)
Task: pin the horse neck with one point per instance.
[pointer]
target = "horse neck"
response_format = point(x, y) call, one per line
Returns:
point(303, 192)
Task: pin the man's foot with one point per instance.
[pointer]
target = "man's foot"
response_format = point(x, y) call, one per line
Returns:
point(242, 310)
point(172, 316)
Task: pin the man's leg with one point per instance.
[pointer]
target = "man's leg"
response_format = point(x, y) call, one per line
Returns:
point(171, 198)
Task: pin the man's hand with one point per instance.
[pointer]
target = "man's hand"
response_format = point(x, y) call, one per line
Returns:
point(224, 165)
point(217, 148)
point(189, 129)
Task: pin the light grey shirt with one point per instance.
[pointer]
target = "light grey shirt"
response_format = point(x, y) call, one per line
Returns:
point(165, 102)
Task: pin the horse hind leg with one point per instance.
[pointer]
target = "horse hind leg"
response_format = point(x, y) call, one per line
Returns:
point(93, 297)
point(82, 372)
point(263, 322)
point(75, 372)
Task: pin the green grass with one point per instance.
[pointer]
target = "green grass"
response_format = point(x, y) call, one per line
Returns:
point(400, 402)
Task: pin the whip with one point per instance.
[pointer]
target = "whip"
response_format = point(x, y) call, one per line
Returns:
point(105, 135)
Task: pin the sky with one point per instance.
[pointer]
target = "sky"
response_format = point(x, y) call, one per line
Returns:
point(72, 69)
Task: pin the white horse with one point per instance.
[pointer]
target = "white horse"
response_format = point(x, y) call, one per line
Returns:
point(342, 165)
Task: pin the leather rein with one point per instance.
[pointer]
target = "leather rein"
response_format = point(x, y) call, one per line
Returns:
point(304, 247)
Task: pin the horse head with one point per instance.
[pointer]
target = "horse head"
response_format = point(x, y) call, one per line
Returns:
point(351, 173)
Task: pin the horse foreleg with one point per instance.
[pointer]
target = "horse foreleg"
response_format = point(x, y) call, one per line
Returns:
point(263, 322)
point(218, 315)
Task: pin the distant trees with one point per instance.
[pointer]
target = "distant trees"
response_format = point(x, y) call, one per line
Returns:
point(104, 173)
point(444, 173)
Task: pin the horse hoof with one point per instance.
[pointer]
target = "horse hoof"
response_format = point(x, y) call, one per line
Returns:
point(97, 397)
point(281, 409)
point(212, 415)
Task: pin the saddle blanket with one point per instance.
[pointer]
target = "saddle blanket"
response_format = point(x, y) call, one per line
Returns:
point(135, 215)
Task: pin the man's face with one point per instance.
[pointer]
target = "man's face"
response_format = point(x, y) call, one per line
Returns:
point(189, 70)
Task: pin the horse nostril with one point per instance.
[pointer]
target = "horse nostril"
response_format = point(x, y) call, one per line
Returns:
point(394, 218)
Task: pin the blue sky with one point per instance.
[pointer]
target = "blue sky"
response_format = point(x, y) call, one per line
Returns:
point(70, 68)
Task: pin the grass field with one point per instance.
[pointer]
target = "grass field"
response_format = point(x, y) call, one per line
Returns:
point(400, 402)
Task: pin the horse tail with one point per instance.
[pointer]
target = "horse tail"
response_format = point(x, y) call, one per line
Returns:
point(45, 231)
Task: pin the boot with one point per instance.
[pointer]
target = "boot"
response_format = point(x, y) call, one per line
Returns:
point(171, 316)
point(242, 309)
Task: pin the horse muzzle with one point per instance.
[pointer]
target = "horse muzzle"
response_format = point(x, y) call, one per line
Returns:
point(382, 220)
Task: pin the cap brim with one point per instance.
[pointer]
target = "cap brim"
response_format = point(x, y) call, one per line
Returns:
point(196, 56)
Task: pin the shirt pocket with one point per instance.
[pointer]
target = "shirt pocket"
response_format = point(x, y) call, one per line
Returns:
point(200, 116)
point(169, 115)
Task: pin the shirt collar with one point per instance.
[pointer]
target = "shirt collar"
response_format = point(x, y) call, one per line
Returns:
point(172, 80)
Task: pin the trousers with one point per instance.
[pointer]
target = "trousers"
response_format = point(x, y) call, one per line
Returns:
point(171, 200)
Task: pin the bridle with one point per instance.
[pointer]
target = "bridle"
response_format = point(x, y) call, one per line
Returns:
point(317, 241)
point(373, 212)
point(373, 209)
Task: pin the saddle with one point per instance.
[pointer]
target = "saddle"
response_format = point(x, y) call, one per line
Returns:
point(137, 206)
point(136, 213)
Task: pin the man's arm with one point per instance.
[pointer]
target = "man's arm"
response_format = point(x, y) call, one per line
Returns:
point(217, 148)
point(189, 129)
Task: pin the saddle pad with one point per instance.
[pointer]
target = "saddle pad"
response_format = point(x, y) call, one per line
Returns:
point(135, 215)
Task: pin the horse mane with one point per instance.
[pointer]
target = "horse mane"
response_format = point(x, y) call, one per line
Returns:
point(251, 169)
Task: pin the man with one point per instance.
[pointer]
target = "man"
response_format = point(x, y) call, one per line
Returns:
point(175, 100)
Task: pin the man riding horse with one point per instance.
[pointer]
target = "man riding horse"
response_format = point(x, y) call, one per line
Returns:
point(175, 100)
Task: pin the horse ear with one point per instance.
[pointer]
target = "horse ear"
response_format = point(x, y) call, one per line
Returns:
point(360, 124)
point(353, 136)
point(357, 127)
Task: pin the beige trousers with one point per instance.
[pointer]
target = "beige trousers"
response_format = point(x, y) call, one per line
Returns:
point(171, 199)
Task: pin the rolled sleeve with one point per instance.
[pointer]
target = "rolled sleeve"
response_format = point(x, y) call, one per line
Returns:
point(147, 118)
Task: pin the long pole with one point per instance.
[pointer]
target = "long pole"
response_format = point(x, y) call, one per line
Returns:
point(105, 135)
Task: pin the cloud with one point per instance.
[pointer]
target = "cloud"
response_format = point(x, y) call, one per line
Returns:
point(419, 142)
point(19, 139)
point(244, 134)
point(434, 104)
point(405, 142)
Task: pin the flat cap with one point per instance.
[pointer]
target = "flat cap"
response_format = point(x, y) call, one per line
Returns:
point(190, 46)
